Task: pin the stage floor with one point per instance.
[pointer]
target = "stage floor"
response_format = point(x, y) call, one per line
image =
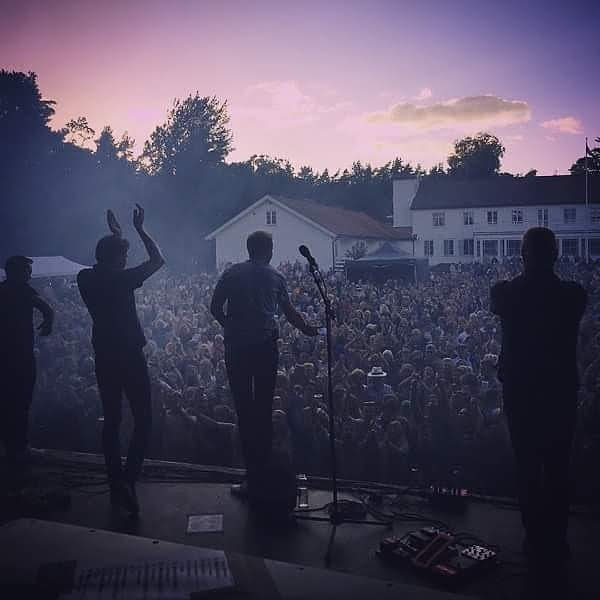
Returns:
point(169, 493)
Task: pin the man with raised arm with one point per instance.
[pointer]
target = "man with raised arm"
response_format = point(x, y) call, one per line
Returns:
point(17, 361)
point(118, 340)
point(540, 317)
point(253, 290)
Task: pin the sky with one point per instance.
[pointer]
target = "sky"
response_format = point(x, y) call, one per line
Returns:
point(326, 83)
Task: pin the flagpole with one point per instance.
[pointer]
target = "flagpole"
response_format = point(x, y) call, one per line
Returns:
point(587, 206)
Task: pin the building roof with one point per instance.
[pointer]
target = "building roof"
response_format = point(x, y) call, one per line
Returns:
point(448, 192)
point(330, 219)
point(385, 253)
point(346, 222)
point(52, 266)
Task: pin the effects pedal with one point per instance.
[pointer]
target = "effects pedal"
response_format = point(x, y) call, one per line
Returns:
point(438, 554)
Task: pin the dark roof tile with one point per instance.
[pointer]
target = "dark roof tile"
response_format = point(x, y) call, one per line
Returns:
point(447, 192)
point(346, 222)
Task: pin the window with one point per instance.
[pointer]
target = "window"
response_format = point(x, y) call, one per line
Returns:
point(468, 247)
point(439, 219)
point(570, 214)
point(428, 247)
point(513, 247)
point(595, 216)
point(594, 246)
point(542, 217)
point(468, 216)
point(492, 217)
point(478, 247)
point(448, 247)
point(570, 247)
point(517, 216)
point(490, 247)
point(271, 217)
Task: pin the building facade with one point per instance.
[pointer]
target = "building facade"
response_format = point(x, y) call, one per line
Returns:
point(329, 232)
point(465, 221)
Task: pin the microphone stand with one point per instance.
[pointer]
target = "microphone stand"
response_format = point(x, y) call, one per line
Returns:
point(338, 514)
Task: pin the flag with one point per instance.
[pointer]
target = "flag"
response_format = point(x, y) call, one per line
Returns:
point(588, 152)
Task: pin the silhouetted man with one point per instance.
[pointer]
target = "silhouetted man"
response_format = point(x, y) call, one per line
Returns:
point(17, 362)
point(540, 317)
point(118, 341)
point(253, 290)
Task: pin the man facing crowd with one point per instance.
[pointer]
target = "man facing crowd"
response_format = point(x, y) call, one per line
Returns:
point(17, 361)
point(118, 341)
point(540, 317)
point(253, 290)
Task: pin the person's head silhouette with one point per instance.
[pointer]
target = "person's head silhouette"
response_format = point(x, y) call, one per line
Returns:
point(111, 251)
point(260, 246)
point(18, 269)
point(539, 249)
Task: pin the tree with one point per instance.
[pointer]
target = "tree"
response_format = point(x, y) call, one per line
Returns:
point(25, 134)
point(194, 135)
point(593, 161)
point(125, 147)
point(437, 171)
point(78, 131)
point(106, 147)
point(476, 157)
point(358, 250)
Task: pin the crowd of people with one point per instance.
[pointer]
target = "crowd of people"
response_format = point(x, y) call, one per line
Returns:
point(438, 419)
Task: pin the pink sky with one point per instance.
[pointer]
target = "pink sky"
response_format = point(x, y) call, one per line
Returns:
point(325, 84)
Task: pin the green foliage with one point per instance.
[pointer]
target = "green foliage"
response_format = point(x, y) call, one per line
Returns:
point(357, 251)
point(476, 157)
point(25, 137)
point(593, 161)
point(106, 147)
point(78, 131)
point(194, 135)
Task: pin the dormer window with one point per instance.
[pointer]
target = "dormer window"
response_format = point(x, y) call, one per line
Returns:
point(271, 217)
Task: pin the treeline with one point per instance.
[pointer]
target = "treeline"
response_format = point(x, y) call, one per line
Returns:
point(56, 185)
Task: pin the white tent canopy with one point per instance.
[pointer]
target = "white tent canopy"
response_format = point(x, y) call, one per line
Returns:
point(53, 266)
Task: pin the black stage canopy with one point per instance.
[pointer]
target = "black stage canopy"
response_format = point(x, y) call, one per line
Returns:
point(386, 263)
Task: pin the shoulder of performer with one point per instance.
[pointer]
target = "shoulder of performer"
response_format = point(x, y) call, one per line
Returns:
point(577, 294)
point(83, 276)
point(499, 293)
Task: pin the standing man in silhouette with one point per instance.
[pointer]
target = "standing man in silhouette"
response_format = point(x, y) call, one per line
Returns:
point(118, 341)
point(253, 290)
point(17, 362)
point(540, 317)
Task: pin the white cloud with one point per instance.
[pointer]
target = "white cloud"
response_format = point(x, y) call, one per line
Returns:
point(480, 110)
point(424, 94)
point(283, 104)
point(564, 125)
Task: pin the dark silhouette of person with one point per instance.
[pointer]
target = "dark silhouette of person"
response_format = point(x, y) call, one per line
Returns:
point(17, 361)
point(540, 316)
point(118, 340)
point(253, 290)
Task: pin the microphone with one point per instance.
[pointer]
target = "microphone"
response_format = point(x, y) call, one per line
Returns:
point(307, 255)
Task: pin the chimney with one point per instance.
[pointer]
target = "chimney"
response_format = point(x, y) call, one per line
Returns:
point(404, 192)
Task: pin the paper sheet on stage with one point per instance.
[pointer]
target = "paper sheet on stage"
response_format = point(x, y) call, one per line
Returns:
point(172, 579)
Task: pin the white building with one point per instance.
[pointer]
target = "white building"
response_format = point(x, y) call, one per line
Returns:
point(464, 221)
point(329, 232)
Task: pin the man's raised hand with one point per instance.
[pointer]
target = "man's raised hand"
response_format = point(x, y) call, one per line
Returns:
point(138, 217)
point(113, 224)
